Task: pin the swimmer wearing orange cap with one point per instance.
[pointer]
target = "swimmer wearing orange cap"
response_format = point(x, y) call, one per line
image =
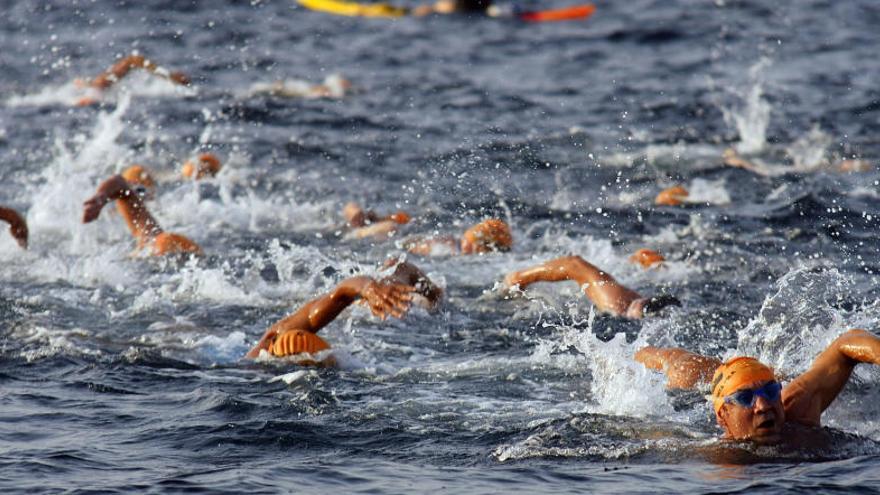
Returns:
point(367, 223)
point(733, 159)
point(488, 236)
point(120, 69)
point(648, 258)
point(749, 402)
point(671, 196)
point(205, 165)
point(296, 334)
point(17, 226)
point(606, 293)
point(141, 224)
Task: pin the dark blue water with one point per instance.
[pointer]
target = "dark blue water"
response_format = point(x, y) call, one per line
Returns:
point(123, 374)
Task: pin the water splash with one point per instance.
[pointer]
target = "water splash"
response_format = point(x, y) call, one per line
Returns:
point(752, 119)
point(808, 152)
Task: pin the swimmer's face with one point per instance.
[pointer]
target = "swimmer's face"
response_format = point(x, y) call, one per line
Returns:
point(761, 422)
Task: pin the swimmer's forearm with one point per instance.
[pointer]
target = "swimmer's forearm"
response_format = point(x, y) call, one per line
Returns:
point(859, 346)
point(684, 369)
point(326, 308)
point(556, 270)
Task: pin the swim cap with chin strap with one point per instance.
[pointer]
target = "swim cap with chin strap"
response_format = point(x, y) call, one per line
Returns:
point(737, 373)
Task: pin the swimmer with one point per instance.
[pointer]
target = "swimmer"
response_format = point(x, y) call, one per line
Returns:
point(608, 295)
point(368, 223)
point(297, 333)
point(120, 69)
point(492, 235)
point(334, 86)
point(648, 258)
point(426, 293)
point(732, 159)
point(204, 166)
point(749, 402)
point(17, 226)
point(672, 196)
point(454, 7)
point(141, 224)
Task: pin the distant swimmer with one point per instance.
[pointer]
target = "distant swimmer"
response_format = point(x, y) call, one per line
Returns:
point(648, 258)
point(297, 333)
point(733, 159)
point(120, 69)
point(17, 226)
point(462, 7)
point(672, 196)
point(141, 224)
point(368, 223)
point(334, 86)
point(203, 166)
point(426, 294)
point(749, 402)
point(606, 293)
point(488, 236)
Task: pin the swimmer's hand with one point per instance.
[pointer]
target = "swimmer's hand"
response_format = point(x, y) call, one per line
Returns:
point(17, 225)
point(93, 206)
point(387, 298)
point(112, 188)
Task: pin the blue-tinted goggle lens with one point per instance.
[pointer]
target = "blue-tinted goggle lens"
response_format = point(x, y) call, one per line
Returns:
point(747, 397)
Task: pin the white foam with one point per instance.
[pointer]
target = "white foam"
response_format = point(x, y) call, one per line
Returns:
point(702, 191)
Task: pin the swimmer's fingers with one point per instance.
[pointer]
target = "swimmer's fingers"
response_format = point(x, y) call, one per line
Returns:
point(388, 299)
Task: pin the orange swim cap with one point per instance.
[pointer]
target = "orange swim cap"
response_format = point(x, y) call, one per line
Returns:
point(138, 174)
point(400, 217)
point(489, 235)
point(672, 196)
point(735, 374)
point(297, 342)
point(647, 257)
point(207, 165)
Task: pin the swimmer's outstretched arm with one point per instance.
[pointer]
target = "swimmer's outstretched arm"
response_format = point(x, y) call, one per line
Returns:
point(808, 395)
point(684, 369)
point(600, 287)
point(383, 299)
point(120, 69)
point(141, 224)
point(17, 226)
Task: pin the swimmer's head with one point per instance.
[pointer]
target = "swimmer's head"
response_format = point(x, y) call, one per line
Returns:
point(672, 196)
point(205, 165)
point(747, 400)
point(138, 176)
point(487, 236)
point(647, 258)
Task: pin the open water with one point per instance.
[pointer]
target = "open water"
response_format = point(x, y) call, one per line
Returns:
point(121, 374)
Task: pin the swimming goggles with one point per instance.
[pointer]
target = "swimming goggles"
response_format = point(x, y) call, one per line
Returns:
point(747, 397)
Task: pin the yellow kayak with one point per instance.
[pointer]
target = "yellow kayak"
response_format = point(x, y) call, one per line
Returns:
point(354, 9)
